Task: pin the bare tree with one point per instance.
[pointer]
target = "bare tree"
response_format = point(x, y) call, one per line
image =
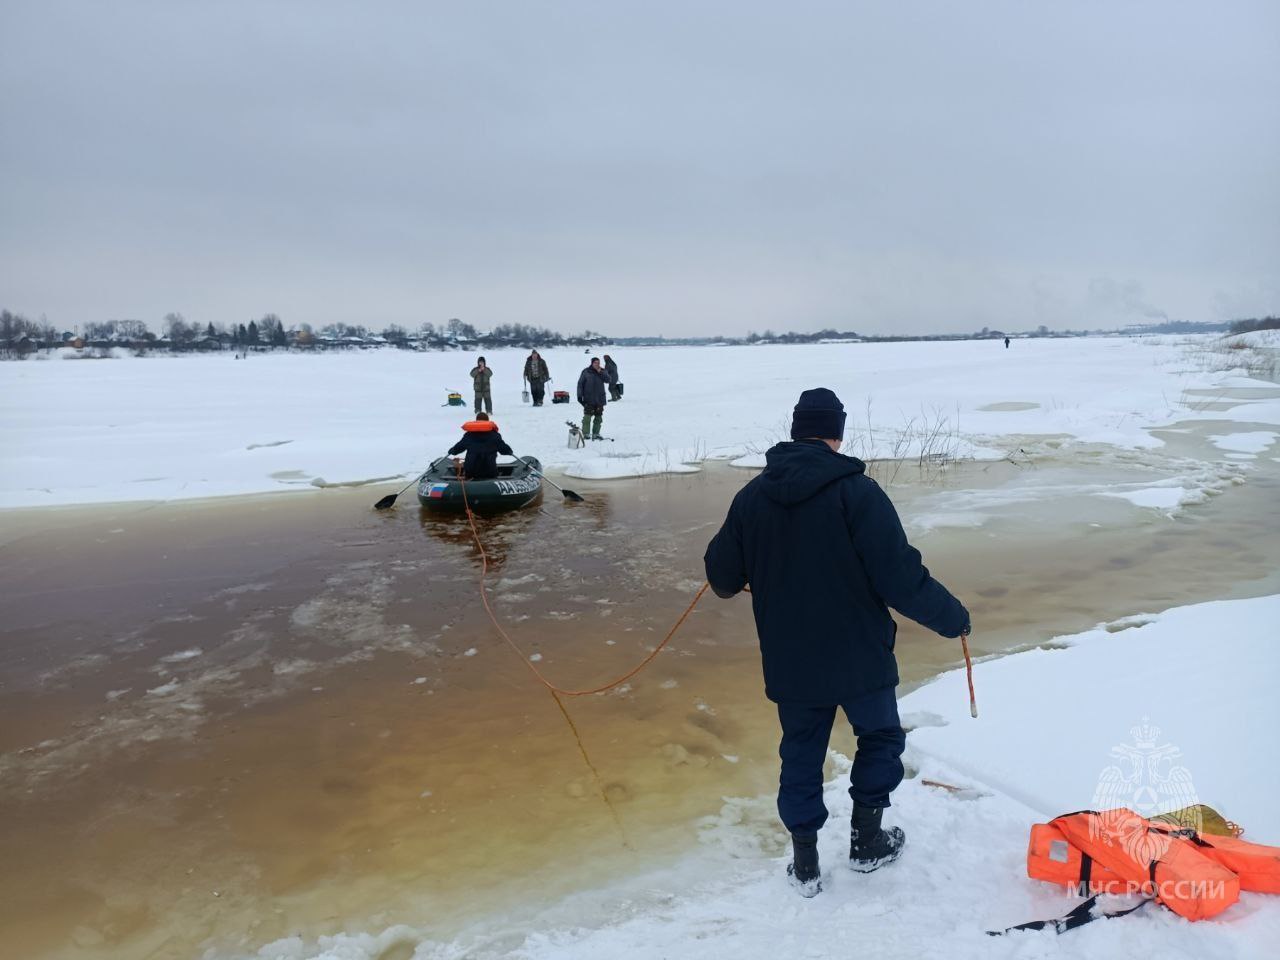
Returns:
point(271, 330)
point(178, 330)
point(459, 330)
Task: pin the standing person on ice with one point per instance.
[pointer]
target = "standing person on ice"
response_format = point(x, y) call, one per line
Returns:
point(536, 372)
point(482, 443)
point(611, 370)
point(481, 376)
point(824, 553)
point(591, 384)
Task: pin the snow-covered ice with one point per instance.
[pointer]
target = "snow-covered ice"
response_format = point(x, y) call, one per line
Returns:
point(1252, 441)
point(1156, 498)
point(163, 428)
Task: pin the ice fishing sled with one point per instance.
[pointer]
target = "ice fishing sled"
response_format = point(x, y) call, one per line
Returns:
point(517, 485)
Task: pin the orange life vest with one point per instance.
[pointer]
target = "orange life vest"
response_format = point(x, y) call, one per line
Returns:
point(479, 426)
point(1256, 864)
point(1153, 859)
point(1051, 857)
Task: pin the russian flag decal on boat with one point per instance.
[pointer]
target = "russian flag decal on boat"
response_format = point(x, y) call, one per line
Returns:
point(437, 490)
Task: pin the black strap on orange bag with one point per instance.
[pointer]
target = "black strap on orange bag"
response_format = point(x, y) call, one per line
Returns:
point(1078, 916)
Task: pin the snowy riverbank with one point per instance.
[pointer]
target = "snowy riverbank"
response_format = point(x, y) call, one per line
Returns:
point(1180, 684)
point(164, 428)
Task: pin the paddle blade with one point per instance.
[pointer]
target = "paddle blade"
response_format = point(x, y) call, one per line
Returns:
point(387, 502)
point(570, 495)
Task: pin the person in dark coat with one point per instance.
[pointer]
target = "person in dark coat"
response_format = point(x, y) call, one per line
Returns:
point(824, 553)
point(536, 372)
point(482, 443)
point(611, 371)
point(591, 384)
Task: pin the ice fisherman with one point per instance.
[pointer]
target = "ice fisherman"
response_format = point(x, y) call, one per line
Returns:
point(611, 370)
point(591, 384)
point(482, 443)
point(481, 376)
point(825, 556)
point(537, 374)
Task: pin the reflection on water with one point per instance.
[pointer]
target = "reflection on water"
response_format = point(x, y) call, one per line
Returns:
point(229, 722)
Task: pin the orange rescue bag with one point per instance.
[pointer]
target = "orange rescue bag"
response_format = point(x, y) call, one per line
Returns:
point(1161, 864)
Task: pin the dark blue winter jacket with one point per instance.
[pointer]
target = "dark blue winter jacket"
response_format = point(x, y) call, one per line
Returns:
point(591, 387)
point(482, 448)
point(825, 555)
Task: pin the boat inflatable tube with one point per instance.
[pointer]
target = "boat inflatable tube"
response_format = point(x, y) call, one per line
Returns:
point(517, 485)
point(1158, 862)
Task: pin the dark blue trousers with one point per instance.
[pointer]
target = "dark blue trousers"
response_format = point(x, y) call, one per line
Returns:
point(877, 766)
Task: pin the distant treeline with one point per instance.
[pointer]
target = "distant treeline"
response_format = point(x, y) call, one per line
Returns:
point(20, 336)
point(851, 336)
point(1248, 326)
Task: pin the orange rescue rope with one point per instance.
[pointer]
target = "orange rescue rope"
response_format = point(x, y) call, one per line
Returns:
point(484, 597)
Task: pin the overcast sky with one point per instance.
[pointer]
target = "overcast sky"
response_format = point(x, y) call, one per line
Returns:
point(642, 168)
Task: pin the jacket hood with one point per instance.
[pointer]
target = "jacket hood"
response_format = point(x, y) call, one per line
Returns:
point(798, 470)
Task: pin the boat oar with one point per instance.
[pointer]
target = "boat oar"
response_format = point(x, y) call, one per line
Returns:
point(389, 501)
point(568, 494)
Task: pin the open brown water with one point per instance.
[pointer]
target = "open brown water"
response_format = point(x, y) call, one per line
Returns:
point(231, 721)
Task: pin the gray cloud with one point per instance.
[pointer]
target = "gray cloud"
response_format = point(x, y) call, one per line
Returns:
point(1123, 299)
point(640, 167)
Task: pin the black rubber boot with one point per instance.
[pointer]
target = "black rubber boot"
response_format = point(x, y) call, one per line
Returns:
point(870, 846)
point(803, 869)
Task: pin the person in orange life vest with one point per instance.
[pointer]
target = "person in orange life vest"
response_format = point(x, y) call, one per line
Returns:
point(482, 443)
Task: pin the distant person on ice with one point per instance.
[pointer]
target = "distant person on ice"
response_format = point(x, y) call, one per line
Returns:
point(591, 384)
point(481, 375)
point(536, 372)
point(611, 370)
point(824, 553)
point(1006, 343)
point(482, 443)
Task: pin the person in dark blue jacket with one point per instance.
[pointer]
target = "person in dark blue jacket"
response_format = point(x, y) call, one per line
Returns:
point(825, 556)
point(482, 443)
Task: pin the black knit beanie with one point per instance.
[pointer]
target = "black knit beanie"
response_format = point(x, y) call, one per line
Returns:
point(818, 414)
